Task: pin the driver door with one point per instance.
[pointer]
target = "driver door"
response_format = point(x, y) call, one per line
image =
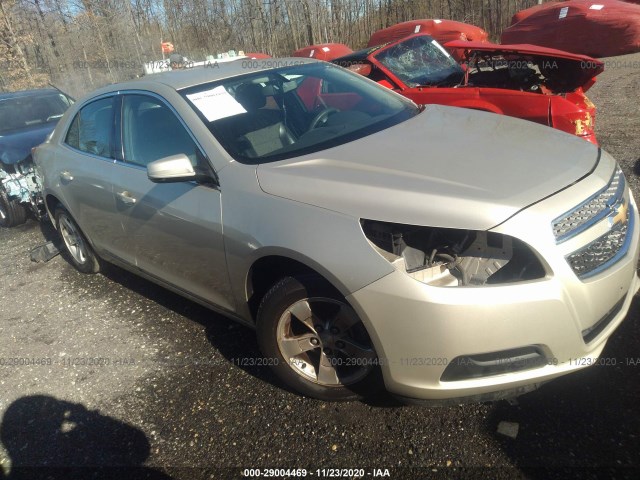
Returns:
point(174, 230)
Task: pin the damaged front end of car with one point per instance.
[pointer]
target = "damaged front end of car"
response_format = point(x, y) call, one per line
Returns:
point(27, 119)
point(20, 193)
point(563, 77)
point(445, 257)
point(574, 113)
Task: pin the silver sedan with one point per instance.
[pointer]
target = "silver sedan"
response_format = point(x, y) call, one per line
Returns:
point(440, 253)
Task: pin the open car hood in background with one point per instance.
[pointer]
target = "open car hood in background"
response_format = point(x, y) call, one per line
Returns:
point(567, 71)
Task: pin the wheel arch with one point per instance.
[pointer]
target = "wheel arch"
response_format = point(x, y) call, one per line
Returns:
point(51, 202)
point(271, 267)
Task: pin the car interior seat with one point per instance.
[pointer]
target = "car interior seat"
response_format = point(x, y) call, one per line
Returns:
point(265, 131)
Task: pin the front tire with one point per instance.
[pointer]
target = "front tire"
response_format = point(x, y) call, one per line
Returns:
point(79, 252)
point(12, 212)
point(315, 342)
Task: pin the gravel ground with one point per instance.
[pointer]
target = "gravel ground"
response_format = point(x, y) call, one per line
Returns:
point(128, 374)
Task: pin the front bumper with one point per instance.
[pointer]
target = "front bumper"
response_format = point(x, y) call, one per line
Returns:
point(419, 330)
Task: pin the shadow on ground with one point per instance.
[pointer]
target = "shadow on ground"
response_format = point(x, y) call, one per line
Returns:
point(233, 340)
point(51, 439)
point(586, 424)
point(236, 342)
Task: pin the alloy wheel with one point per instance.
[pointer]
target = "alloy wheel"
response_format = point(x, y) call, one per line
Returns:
point(325, 342)
point(73, 240)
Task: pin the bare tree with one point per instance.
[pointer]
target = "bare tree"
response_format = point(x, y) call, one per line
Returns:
point(13, 43)
point(102, 41)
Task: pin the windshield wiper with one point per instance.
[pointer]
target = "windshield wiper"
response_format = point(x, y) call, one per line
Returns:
point(63, 93)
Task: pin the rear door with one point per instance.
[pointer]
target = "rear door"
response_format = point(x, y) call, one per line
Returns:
point(174, 230)
point(83, 170)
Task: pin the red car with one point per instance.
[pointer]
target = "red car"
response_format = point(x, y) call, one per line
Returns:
point(599, 29)
point(442, 30)
point(323, 51)
point(534, 83)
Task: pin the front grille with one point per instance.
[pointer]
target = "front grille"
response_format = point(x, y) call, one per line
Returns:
point(604, 251)
point(591, 211)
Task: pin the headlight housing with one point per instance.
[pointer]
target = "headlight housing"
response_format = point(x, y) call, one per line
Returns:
point(445, 257)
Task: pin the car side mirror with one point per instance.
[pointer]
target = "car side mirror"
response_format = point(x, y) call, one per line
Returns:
point(175, 168)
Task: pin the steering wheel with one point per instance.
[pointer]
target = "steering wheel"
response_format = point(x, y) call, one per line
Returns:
point(322, 116)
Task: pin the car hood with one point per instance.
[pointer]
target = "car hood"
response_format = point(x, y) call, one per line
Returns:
point(16, 146)
point(446, 167)
point(566, 71)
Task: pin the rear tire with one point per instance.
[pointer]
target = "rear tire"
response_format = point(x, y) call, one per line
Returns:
point(12, 212)
point(315, 342)
point(77, 248)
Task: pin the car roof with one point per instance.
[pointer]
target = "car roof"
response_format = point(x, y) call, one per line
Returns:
point(28, 93)
point(210, 72)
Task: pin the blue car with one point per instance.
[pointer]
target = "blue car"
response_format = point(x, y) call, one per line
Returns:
point(26, 118)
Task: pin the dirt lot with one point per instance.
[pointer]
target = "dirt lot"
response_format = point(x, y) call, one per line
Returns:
point(125, 373)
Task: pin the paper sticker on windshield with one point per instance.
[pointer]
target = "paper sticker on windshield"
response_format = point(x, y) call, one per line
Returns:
point(563, 12)
point(325, 49)
point(437, 21)
point(417, 29)
point(216, 103)
point(440, 47)
point(596, 7)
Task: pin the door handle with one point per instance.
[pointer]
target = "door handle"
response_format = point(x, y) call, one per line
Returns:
point(126, 198)
point(66, 176)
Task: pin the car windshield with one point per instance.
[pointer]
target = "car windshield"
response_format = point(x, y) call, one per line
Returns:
point(31, 110)
point(295, 110)
point(421, 61)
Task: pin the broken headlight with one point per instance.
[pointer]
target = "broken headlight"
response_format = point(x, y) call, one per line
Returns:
point(446, 257)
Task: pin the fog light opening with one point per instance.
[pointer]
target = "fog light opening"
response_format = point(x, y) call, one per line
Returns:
point(468, 367)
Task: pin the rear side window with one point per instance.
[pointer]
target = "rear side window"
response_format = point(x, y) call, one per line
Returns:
point(92, 129)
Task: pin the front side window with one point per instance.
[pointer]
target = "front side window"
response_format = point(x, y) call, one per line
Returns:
point(92, 129)
point(286, 112)
point(151, 131)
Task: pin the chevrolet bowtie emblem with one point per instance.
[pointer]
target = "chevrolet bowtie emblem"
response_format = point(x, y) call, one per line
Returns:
point(619, 213)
